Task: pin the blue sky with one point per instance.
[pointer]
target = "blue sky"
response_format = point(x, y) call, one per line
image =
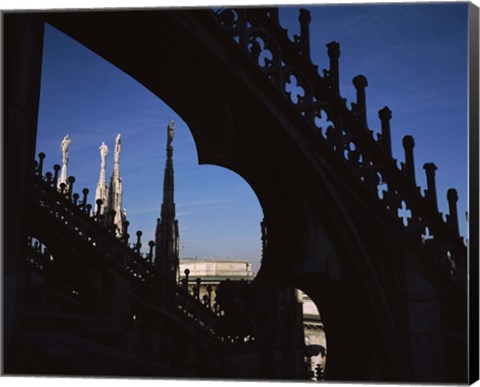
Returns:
point(415, 59)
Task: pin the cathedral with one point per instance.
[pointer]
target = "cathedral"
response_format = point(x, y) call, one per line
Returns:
point(221, 286)
point(344, 220)
point(108, 199)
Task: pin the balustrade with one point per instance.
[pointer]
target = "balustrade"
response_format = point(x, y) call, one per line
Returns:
point(65, 208)
point(288, 65)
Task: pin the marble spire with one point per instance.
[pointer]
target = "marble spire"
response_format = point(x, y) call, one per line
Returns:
point(64, 146)
point(166, 235)
point(116, 190)
point(102, 188)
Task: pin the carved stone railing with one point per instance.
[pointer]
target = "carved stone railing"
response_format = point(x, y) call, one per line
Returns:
point(39, 259)
point(65, 208)
point(58, 207)
point(38, 255)
point(316, 98)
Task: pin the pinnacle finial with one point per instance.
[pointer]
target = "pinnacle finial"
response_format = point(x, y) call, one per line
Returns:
point(171, 129)
point(431, 191)
point(360, 82)
point(385, 113)
point(385, 116)
point(360, 107)
point(64, 148)
point(117, 146)
point(304, 38)
point(103, 151)
point(333, 72)
point(409, 166)
point(452, 217)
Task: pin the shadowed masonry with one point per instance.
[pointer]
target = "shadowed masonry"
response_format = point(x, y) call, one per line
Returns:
point(342, 222)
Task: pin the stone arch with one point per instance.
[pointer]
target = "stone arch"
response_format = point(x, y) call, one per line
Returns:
point(238, 122)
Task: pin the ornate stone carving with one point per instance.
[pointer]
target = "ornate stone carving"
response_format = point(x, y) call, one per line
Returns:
point(102, 189)
point(115, 191)
point(64, 146)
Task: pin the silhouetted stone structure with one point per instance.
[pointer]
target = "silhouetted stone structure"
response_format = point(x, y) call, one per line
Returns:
point(166, 234)
point(331, 196)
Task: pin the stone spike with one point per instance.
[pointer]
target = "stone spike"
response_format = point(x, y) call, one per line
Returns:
point(431, 191)
point(63, 175)
point(84, 201)
point(409, 165)
point(452, 217)
point(102, 188)
point(197, 288)
point(304, 19)
point(166, 234)
point(151, 245)
point(62, 188)
point(64, 146)
point(99, 203)
point(71, 180)
point(360, 107)
point(56, 169)
point(385, 116)
point(333, 50)
point(139, 241)
point(41, 157)
point(115, 190)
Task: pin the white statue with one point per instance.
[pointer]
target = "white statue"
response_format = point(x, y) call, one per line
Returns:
point(101, 192)
point(171, 128)
point(64, 147)
point(117, 147)
point(103, 153)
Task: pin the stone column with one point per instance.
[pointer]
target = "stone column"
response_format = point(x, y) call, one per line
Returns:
point(431, 191)
point(102, 189)
point(409, 165)
point(333, 72)
point(64, 146)
point(361, 83)
point(23, 45)
point(452, 217)
point(116, 190)
point(385, 116)
point(304, 19)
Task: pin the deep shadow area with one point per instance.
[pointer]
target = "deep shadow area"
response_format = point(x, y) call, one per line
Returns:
point(394, 304)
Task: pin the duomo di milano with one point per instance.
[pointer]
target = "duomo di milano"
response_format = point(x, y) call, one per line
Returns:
point(201, 277)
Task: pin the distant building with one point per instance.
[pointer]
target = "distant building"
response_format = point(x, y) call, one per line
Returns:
point(217, 269)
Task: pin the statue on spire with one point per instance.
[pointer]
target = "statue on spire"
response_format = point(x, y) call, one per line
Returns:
point(103, 155)
point(102, 189)
point(166, 234)
point(171, 129)
point(64, 147)
point(117, 148)
point(115, 191)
